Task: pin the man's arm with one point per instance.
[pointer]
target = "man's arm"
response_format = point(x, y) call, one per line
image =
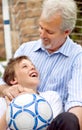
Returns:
point(2, 89)
point(78, 112)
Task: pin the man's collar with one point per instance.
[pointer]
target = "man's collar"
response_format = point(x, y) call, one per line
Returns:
point(38, 45)
point(64, 49)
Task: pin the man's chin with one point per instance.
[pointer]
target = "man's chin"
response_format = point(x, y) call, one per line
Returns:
point(47, 46)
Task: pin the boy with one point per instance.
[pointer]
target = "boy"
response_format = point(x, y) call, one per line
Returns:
point(20, 70)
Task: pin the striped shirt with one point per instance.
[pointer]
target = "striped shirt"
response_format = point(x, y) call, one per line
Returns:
point(60, 71)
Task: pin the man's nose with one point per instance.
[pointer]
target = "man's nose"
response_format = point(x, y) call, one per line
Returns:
point(43, 34)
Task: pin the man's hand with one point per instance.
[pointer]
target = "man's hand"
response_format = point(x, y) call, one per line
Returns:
point(12, 91)
point(78, 112)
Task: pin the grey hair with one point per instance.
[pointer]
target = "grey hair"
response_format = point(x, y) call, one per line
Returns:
point(67, 10)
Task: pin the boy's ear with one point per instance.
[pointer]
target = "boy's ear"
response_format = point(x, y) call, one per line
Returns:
point(14, 81)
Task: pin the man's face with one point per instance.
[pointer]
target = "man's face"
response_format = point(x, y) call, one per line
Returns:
point(26, 74)
point(50, 33)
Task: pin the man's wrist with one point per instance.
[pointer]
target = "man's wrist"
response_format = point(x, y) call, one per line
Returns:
point(2, 89)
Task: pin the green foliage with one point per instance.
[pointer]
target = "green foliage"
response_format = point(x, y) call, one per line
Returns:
point(77, 32)
point(0, 74)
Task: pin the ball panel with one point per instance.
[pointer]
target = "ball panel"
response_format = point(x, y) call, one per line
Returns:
point(25, 120)
point(24, 100)
point(45, 113)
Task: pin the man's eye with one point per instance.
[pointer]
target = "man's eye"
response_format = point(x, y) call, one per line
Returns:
point(50, 32)
point(40, 28)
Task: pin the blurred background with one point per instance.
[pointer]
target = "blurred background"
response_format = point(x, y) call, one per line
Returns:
point(19, 24)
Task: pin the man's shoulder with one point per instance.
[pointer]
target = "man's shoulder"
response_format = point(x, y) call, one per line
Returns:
point(31, 43)
point(76, 50)
point(28, 48)
point(74, 47)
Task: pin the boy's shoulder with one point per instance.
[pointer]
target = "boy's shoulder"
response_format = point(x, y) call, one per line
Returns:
point(48, 94)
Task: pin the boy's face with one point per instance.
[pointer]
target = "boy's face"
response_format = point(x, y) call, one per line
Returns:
point(26, 74)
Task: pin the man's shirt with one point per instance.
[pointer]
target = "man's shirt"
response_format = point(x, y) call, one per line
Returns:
point(60, 71)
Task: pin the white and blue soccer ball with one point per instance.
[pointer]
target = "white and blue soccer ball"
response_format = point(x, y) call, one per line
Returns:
point(29, 112)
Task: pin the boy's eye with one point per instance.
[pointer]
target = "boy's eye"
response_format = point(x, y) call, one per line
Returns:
point(25, 66)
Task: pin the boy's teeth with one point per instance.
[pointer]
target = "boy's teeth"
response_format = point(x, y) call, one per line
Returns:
point(33, 75)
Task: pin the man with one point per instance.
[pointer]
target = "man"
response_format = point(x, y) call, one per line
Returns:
point(59, 61)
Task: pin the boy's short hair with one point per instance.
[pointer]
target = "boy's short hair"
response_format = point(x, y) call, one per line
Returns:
point(9, 72)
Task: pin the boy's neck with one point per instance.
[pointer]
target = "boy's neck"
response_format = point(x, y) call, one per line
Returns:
point(30, 90)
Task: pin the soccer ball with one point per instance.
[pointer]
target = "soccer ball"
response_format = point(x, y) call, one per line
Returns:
point(29, 112)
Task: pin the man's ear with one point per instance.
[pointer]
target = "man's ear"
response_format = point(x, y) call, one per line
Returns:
point(67, 32)
point(14, 81)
